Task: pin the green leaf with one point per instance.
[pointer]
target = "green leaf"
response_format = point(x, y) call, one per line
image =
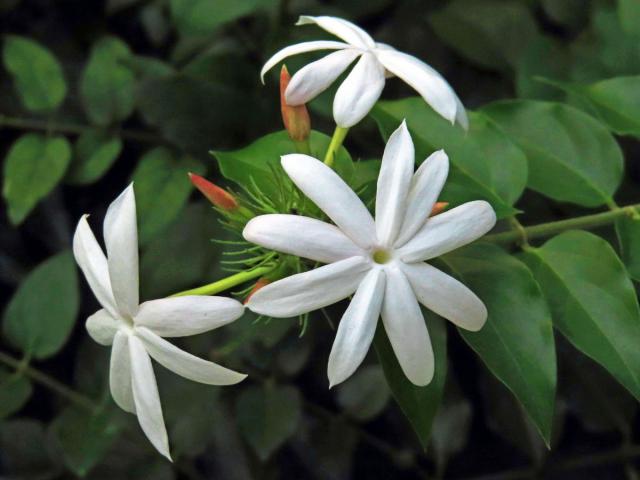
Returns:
point(572, 157)
point(94, 153)
point(42, 312)
point(517, 342)
point(107, 85)
point(32, 168)
point(485, 164)
point(491, 33)
point(592, 300)
point(36, 72)
point(365, 394)
point(202, 17)
point(419, 404)
point(85, 437)
point(258, 161)
point(162, 189)
point(268, 415)
point(629, 14)
point(15, 390)
point(529, 68)
point(628, 232)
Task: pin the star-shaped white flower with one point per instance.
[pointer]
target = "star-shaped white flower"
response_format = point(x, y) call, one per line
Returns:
point(362, 87)
point(381, 261)
point(135, 331)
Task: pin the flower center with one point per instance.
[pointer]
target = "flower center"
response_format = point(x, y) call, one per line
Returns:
point(381, 256)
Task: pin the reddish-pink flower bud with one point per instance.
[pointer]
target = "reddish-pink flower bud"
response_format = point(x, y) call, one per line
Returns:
point(296, 119)
point(216, 195)
point(262, 282)
point(438, 207)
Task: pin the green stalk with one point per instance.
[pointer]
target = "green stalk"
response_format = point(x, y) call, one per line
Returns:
point(227, 283)
point(336, 142)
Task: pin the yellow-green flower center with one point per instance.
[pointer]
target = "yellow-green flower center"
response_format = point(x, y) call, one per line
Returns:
point(381, 256)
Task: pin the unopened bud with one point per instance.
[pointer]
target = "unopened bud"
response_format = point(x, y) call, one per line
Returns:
point(438, 207)
point(262, 282)
point(296, 119)
point(216, 195)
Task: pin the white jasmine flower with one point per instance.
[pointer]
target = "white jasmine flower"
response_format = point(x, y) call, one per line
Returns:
point(135, 331)
point(381, 261)
point(363, 86)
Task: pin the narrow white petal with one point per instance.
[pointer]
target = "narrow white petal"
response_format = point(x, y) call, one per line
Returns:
point(93, 263)
point(120, 373)
point(359, 92)
point(301, 236)
point(406, 329)
point(102, 327)
point(145, 394)
point(448, 231)
point(341, 28)
point(300, 48)
point(446, 296)
point(121, 239)
point(461, 114)
point(185, 364)
point(356, 329)
point(333, 196)
point(316, 77)
point(310, 290)
point(424, 79)
point(394, 181)
point(188, 315)
point(426, 186)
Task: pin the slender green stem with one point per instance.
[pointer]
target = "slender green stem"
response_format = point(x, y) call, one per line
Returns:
point(227, 283)
point(336, 142)
point(49, 382)
point(551, 228)
point(73, 129)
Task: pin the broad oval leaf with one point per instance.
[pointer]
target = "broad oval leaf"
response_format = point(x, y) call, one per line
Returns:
point(94, 153)
point(15, 390)
point(628, 232)
point(485, 164)
point(107, 85)
point(572, 157)
point(257, 163)
point(268, 415)
point(517, 342)
point(365, 394)
point(419, 404)
point(42, 312)
point(36, 72)
point(592, 300)
point(32, 168)
point(162, 189)
point(202, 17)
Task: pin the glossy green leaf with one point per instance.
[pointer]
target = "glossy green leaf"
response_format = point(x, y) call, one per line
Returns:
point(162, 188)
point(107, 85)
point(15, 390)
point(85, 437)
point(258, 161)
point(419, 404)
point(365, 394)
point(491, 33)
point(593, 301)
point(42, 312)
point(529, 68)
point(485, 164)
point(202, 17)
point(629, 14)
point(268, 415)
point(572, 157)
point(517, 342)
point(628, 232)
point(94, 153)
point(32, 168)
point(37, 74)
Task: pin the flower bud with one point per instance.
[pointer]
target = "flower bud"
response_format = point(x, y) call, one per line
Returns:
point(296, 119)
point(216, 195)
point(438, 207)
point(262, 282)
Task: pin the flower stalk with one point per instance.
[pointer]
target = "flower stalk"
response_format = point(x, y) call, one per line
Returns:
point(337, 139)
point(228, 282)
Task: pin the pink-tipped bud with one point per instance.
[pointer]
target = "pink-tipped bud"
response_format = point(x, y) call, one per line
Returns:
point(296, 119)
point(262, 282)
point(439, 207)
point(216, 195)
